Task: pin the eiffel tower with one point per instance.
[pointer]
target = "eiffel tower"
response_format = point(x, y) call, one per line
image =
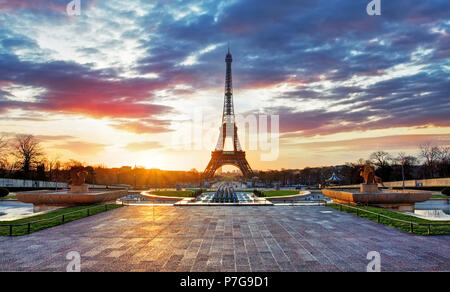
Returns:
point(228, 129)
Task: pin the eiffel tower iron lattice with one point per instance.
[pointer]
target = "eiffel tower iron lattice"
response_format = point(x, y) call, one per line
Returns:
point(228, 129)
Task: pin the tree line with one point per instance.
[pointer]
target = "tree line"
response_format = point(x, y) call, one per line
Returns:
point(23, 158)
point(431, 162)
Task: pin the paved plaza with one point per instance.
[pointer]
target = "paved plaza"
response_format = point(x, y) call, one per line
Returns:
point(277, 238)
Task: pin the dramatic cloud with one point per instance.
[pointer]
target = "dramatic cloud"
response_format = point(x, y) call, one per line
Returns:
point(143, 126)
point(385, 143)
point(41, 138)
point(325, 67)
point(58, 7)
point(42, 5)
point(72, 88)
point(81, 148)
point(46, 138)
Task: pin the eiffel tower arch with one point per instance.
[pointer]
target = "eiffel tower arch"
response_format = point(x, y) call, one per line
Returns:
point(228, 129)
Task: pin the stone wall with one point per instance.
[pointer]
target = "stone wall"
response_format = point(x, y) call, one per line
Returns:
point(38, 184)
point(434, 182)
point(22, 183)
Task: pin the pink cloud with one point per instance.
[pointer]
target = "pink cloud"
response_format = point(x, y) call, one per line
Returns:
point(140, 127)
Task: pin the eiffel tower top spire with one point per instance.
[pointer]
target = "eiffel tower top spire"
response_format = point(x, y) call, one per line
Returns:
point(228, 108)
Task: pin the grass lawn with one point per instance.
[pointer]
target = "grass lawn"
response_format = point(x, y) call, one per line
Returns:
point(420, 230)
point(173, 193)
point(21, 230)
point(436, 196)
point(280, 193)
point(9, 197)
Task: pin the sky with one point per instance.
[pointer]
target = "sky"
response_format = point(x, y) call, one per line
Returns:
point(127, 82)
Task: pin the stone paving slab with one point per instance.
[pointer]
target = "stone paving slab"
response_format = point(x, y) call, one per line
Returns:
point(277, 238)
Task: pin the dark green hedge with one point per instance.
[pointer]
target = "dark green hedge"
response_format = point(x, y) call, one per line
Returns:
point(3, 192)
point(197, 193)
point(258, 193)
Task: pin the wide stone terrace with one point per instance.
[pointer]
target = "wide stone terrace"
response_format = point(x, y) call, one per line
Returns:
point(272, 238)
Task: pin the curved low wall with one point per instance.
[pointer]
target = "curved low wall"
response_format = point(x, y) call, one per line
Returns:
point(432, 182)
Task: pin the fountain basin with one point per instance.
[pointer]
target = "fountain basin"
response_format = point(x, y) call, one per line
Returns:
point(207, 199)
point(47, 200)
point(402, 200)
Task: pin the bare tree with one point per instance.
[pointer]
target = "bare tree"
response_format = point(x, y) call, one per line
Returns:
point(359, 162)
point(443, 164)
point(431, 155)
point(73, 163)
point(380, 158)
point(54, 168)
point(444, 154)
point(27, 151)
